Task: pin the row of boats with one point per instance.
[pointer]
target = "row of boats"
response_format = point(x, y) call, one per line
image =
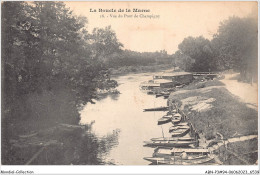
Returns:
point(182, 148)
point(161, 93)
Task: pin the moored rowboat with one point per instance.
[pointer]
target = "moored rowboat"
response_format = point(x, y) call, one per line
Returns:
point(165, 108)
point(176, 119)
point(185, 162)
point(180, 132)
point(166, 96)
point(176, 159)
point(162, 94)
point(158, 95)
point(175, 128)
point(182, 124)
point(164, 119)
point(159, 152)
point(166, 143)
point(188, 138)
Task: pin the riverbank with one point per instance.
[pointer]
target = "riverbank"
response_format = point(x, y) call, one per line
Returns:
point(213, 109)
point(216, 107)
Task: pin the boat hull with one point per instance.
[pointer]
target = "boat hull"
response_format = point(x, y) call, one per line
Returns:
point(176, 121)
point(174, 143)
point(184, 162)
point(180, 134)
point(172, 139)
point(162, 152)
point(175, 128)
point(158, 109)
point(166, 96)
point(158, 95)
point(182, 124)
point(163, 120)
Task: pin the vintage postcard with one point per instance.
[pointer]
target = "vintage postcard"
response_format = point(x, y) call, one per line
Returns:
point(129, 83)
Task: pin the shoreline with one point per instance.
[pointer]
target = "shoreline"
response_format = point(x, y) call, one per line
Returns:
point(213, 110)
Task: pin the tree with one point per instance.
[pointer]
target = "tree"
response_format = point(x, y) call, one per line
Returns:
point(104, 42)
point(236, 45)
point(47, 50)
point(196, 53)
point(183, 61)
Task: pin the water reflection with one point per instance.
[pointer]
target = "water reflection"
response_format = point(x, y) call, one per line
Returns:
point(90, 150)
point(108, 142)
point(123, 116)
point(114, 96)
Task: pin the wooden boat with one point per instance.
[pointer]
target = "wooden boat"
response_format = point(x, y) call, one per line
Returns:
point(172, 112)
point(158, 95)
point(150, 92)
point(163, 93)
point(180, 132)
point(187, 138)
point(164, 119)
point(170, 90)
point(175, 128)
point(211, 164)
point(166, 96)
point(184, 162)
point(180, 86)
point(177, 115)
point(177, 159)
point(160, 151)
point(163, 108)
point(154, 159)
point(166, 143)
point(182, 124)
point(176, 119)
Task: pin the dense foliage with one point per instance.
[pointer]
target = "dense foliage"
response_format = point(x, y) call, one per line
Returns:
point(234, 46)
point(195, 54)
point(50, 64)
point(132, 58)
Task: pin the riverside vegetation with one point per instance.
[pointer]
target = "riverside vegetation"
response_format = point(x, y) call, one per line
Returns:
point(214, 110)
point(52, 66)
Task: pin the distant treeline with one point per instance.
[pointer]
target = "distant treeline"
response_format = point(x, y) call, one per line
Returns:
point(234, 46)
point(132, 58)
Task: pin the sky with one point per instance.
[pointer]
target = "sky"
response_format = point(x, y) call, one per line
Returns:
point(174, 21)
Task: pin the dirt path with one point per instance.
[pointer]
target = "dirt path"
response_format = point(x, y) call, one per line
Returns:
point(246, 92)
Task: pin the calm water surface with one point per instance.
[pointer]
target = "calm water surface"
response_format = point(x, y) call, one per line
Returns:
point(124, 115)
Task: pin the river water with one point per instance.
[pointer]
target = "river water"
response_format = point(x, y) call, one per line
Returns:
point(124, 115)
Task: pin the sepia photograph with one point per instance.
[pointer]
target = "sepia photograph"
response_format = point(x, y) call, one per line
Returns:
point(129, 83)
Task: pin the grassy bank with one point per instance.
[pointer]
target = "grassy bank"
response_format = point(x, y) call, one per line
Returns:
point(213, 109)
